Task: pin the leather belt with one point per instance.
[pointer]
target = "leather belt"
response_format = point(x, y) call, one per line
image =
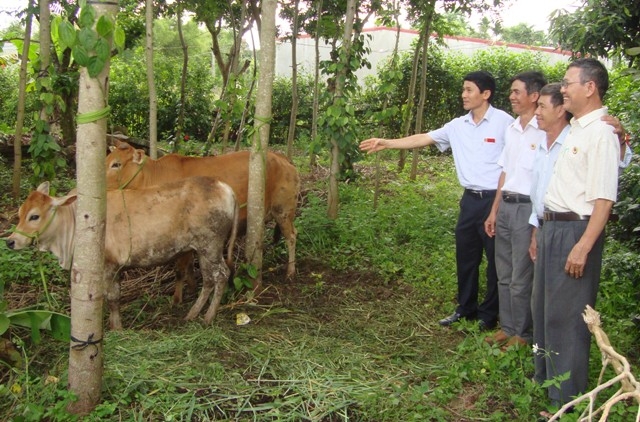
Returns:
point(481, 193)
point(515, 197)
point(564, 216)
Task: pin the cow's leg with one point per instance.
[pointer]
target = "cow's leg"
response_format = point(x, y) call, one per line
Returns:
point(289, 232)
point(184, 272)
point(220, 274)
point(206, 268)
point(112, 283)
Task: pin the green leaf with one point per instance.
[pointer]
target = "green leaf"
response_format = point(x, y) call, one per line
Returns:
point(119, 38)
point(252, 271)
point(95, 66)
point(87, 17)
point(67, 34)
point(35, 326)
point(633, 51)
point(61, 327)
point(237, 283)
point(88, 38)
point(4, 323)
point(80, 55)
point(104, 27)
point(47, 97)
point(103, 51)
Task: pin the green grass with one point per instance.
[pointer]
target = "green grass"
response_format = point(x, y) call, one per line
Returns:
point(353, 338)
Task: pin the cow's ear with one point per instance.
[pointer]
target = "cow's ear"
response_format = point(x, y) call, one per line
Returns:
point(44, 188)
point(65, 200)
point(138, 156)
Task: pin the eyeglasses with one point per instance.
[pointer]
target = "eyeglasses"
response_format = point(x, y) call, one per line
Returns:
point(565, 83)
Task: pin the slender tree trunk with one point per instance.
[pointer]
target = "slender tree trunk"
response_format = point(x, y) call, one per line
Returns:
point(183, 80)
point(153, 96)
point(294, 82)
point(316, 85)
point(394, 65)
point(423, 86)
point(260, 142)
point(87, 273)
point(45, 46)
point(334, 171)
point(408, 109)
point(17, 142)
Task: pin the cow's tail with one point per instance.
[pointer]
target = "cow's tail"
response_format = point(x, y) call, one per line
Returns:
point(232, 239)
point(277, 234)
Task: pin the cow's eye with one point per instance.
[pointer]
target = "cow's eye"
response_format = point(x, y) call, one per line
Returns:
point(34, 217)
point(115, 165)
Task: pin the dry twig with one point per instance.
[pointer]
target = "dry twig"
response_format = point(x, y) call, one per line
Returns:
point(629, 387)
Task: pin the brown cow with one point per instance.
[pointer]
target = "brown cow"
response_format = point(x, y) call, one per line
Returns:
point(131, 168)
point(144, 228)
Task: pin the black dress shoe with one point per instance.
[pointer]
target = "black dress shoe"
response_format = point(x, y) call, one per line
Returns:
point(486, 326)
point(451, 319)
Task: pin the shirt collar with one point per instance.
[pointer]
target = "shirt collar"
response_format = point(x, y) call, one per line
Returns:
point(532, 123)
point(487, 115)
point(590, 117)
point(559, 140)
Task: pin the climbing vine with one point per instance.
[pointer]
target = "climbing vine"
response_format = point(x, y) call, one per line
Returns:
point(89, 43)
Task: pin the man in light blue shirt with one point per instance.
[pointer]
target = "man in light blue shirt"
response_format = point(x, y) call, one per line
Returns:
point(476, 140)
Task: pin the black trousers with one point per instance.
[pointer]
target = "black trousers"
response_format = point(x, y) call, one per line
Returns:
point(471, 242)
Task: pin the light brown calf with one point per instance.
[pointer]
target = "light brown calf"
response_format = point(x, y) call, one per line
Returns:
point(144, 228)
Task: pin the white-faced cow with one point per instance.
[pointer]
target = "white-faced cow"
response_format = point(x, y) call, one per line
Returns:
point(131, 168)
point(144, 228)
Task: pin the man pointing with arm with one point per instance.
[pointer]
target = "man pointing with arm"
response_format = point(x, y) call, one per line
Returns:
point(476, 140)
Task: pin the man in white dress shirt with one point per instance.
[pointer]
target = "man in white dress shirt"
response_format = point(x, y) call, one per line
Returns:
point(509, 218)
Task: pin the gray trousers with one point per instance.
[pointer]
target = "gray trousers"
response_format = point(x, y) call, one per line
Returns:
point(514, 268)
point(558, 301)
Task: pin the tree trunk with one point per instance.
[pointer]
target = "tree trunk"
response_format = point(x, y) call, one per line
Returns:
point(87, 273)
point(423, 85)
point(260, 141)
point(153, 96)
point(334, 171)
point(294, 82)
point(316, 84)
point(183, 80)
point(17, 142)
point(45, 46)
point(408, 110)
point(393, 66)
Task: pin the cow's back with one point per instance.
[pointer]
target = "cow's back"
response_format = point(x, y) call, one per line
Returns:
point(281, 188)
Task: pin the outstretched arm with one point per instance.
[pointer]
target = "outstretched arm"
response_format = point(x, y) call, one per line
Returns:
point(409, 142)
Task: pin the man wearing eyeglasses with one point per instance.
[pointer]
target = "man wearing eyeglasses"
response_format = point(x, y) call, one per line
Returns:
point(581, 193)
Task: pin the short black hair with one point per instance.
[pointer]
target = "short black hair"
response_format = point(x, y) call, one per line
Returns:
point(533, 81)
point(553, 91)
point(593, 70)
point(483, 80)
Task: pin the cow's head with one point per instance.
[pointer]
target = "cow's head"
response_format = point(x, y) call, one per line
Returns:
point(37, 217)
point(122, 164)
